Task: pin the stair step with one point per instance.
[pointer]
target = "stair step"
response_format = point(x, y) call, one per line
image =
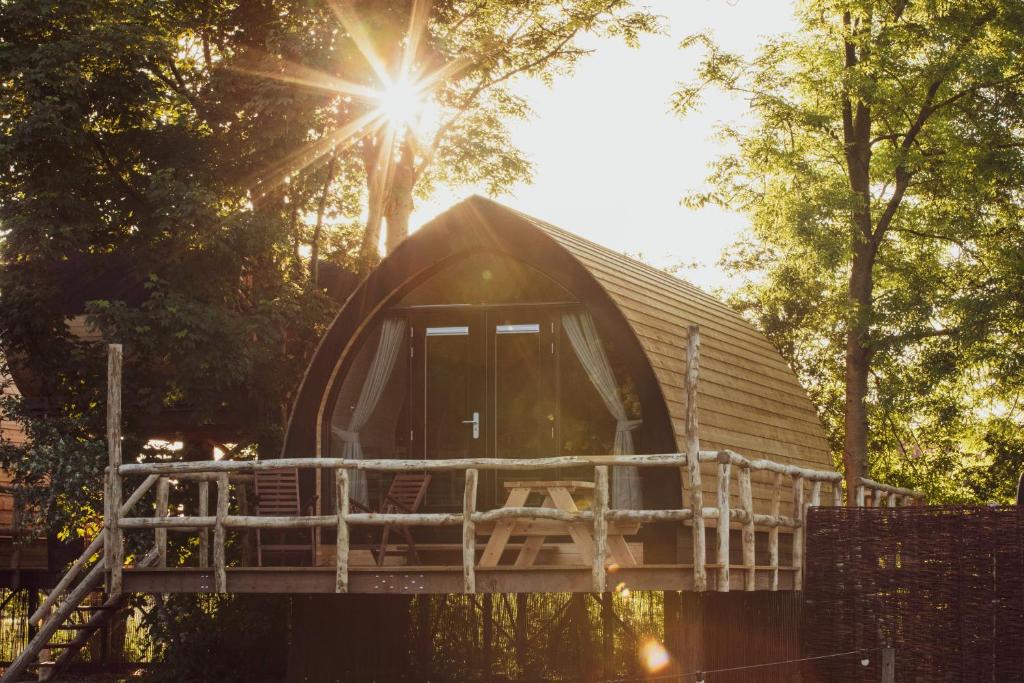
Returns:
point(95, 608)
point(59, 646)
point(72, 627)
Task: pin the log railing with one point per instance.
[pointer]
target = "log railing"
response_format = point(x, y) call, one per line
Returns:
point(733, 507)
point(692, 511)
point(872, 494)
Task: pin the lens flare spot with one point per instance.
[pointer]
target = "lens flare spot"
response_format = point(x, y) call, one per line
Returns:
point(654, 656)
point(623, 590)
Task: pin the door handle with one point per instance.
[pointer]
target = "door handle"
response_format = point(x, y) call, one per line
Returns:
point(476, 425)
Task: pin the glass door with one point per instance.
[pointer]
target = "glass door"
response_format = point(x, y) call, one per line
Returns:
point(522, 390)
point(448, 404)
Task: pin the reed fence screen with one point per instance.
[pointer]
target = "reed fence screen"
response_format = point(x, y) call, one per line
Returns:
point(943, 585)
point(128, 639)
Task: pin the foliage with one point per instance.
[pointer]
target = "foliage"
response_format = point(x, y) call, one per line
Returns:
point(882, 180)
point(129, 149)
point(221, 638)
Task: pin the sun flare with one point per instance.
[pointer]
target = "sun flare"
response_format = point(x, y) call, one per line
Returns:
point(401, 103)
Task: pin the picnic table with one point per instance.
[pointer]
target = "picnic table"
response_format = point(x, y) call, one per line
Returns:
point(560, 495)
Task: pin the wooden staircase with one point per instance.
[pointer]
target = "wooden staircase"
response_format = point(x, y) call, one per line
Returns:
point(65, 610)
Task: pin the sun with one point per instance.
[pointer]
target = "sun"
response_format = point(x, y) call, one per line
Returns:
point(401, 102)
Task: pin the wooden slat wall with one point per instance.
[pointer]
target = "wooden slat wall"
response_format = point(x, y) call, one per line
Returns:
point(750, 400)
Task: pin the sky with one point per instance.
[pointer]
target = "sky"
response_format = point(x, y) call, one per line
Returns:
point(611, 162)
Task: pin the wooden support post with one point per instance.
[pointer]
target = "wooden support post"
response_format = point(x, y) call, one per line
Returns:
point(522, 636)
point(469, 533)
point(724, 468)
point(342, 545)
point(204, 534)
point(219, 535)
point(798, 532)
point(747, 504)
point(773, 532)
point(879, 496)
point(242, 501)
point(860, 496)
point(815, 493)
point(837, 493)
point(607, 636)
point(888, 665)
point(600, 527)
point(700, 577)
point(115, 537)
point(488, 634)
point(893, 499)
point(160, 535)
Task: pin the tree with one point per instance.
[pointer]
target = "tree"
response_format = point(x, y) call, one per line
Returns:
point(129, 148)
point(881, 178)
point(450, 65)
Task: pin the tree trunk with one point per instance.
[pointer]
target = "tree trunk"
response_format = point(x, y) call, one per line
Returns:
point(314, 252)
point(857, 141)
point(858, 364)
point(400, 202)
point(369, 251)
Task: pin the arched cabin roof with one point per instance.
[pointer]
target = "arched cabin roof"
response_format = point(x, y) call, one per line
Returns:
point(750, 401)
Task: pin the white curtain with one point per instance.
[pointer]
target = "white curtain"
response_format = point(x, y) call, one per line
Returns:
point(392, 337)
point(582, 333)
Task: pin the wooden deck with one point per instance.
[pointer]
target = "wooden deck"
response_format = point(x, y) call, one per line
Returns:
point(598, 531)
point(432, 579)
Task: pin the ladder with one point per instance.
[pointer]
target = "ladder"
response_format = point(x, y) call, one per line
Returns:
point(62, 610)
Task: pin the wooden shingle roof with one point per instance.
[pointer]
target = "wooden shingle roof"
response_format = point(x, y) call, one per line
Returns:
point(750, 401)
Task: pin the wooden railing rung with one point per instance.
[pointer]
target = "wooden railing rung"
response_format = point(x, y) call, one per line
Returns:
point(469, 533)
point(220, 536)
point(342, 544)
point(773, 532)
point(600, 528)
point(724, 469)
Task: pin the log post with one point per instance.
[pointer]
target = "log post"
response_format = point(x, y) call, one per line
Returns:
point(860, 496)
point(747, 504)
point(219, 535)
point(879, 495)
point(608, 636)
point(837, 493)
point(469, 533)
point(488, 635)
point(816, 493)
point(700, 577)
point(888, 665)
point(522, 640)
point(242, 501)
point(341, 552)
point(773, 532)
point(724, 468)
point(893, 500)
point(115, 536)
point(204, 534)
point(159, 534)
point(798, 532)
point(600, 527)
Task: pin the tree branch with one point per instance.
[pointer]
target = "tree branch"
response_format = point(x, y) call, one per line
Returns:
point(894, 339)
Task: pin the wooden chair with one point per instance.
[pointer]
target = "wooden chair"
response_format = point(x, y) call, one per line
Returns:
point(405, 495)
point(277, 494)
